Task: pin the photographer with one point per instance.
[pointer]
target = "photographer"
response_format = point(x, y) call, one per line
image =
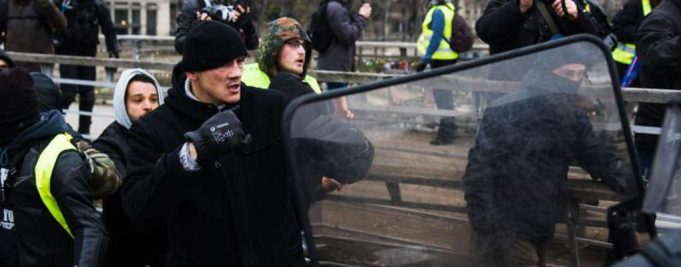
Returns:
point(237, 15)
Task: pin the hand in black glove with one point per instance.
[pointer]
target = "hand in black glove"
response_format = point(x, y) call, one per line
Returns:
point(221, 133)
point(421, 67)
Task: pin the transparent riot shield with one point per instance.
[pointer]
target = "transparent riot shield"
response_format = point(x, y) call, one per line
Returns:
point(508, 160)
point(663, 195)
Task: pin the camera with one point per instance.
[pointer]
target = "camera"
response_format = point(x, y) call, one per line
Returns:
point(219, 12)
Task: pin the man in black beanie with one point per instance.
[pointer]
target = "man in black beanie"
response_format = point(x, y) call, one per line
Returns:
point(48, 217)
point(209, 163)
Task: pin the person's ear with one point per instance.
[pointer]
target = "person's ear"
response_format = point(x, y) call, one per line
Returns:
point(191, 76)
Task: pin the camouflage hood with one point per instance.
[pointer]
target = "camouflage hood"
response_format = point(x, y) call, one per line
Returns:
point(278, 32)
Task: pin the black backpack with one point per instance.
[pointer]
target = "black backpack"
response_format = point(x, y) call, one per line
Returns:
point(83, 24)
point(462, 36)
point(319, 31)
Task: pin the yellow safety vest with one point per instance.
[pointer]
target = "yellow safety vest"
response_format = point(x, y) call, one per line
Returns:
point(255, 77)
point(444, 51)
point(43, 175)
point(625, 52)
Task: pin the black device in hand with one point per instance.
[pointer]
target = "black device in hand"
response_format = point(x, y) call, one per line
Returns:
point(221, 133)
point(218, 12)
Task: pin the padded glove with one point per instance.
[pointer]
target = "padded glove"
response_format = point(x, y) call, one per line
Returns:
point(104, 179)
point(221, 133)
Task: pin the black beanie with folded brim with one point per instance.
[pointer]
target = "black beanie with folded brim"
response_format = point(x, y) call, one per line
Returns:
point(211, 44)
point(18, 106)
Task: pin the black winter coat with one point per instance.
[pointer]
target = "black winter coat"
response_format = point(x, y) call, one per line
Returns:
point(515, 185)
point(237, 211)
point(127, 246)
point(628, 19)
point(658, 43)
point(504, 28)
point(81, 36)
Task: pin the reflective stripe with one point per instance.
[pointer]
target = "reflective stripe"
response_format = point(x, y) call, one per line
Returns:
point(646, 7)
point(624, 53)
point(253, 76)
point(43, 175)
point(444, 52)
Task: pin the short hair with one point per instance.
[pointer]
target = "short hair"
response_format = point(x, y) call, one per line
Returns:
point(142, 78)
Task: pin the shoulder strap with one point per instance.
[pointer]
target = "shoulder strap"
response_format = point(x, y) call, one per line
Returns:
point(544, 11)
point(43, 174)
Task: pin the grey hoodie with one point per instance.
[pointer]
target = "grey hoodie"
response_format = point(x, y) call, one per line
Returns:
point(119, 95)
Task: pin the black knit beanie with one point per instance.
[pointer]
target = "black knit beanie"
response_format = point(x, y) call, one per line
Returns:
point(18, 104)
point(211, 44)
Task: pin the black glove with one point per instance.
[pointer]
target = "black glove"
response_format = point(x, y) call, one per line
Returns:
point(219, 134)
point(421, 67)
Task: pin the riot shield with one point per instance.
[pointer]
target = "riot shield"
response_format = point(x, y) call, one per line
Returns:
point(665, 179)
point(534, 163)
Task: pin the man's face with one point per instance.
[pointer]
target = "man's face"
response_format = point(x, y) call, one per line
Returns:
point(3, 65)
point(140, 98)
point(221, 85)
point(291, 57)
point(573, 72)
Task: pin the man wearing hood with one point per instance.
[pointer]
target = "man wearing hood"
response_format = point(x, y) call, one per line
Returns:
point(136, 94)
point(45, 182)
point(285, 48)
point(209, 163)
point(515, 185)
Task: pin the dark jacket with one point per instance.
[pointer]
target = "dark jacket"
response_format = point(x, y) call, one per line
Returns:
point(515, 185)
point(236, 211)
point(127, 246)
point(504, 28)
point(658, 44)
point(187, 18)
point(628, 19)
point(28, 26)
point(42, 241)
point(85, 18)
point(347, 29)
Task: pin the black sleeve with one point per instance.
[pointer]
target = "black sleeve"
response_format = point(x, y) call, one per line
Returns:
point(72, 193)
point(500, 22)
point(598, 158)
point(345, 29)
point(252, 41)
point(658, 46)
point(107, 26)
point(185, 19)
point(625, 22)
point(156, 182)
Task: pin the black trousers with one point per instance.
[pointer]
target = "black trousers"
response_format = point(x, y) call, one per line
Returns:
point(444, 99)
point(86, 94)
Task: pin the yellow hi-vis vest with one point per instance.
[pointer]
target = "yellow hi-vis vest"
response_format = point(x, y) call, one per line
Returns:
point(443, 52)
point(255, 77)
point(625, 52)
point(43, 175)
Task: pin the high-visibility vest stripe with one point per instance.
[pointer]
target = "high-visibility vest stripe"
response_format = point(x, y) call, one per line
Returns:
point(625, 52)
point(444, 52)
point(43, 175)
point(253, 76)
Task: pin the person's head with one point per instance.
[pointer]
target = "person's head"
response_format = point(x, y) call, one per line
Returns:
point(213, 59)
point(572, 71)
point(137, 93)
point(286, 48)
point(49, 95)
point(5, 61)
point(18, 104)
